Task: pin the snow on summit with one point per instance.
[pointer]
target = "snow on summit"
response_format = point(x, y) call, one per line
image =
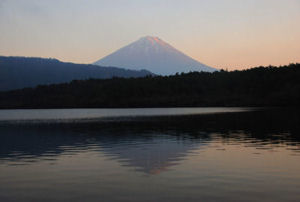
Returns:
point(155, 55)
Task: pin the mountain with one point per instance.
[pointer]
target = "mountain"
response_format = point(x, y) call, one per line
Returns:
point(21, 72)
point(155, 55)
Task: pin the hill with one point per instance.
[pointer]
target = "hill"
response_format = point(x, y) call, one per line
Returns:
point(261, 86)
point(21, 72)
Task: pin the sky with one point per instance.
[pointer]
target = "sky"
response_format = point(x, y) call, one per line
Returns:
point(231, 34)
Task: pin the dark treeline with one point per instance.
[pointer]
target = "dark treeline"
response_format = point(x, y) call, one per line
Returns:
point(261, 86)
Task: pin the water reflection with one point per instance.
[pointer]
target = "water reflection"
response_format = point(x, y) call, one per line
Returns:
point(249, 156)
point(150, 145)
point(147, 151)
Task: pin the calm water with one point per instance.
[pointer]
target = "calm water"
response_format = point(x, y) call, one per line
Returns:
point(66, 115)
point(195, 156)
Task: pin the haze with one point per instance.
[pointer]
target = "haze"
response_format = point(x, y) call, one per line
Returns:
point(229, 34)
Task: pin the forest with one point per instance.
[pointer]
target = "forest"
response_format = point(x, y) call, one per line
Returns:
point(256, 87)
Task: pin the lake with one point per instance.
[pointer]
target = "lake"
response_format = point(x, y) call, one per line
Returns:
point(67, 115)
point(159, 154)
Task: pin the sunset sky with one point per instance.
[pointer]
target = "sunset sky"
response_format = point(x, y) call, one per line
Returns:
point(233, 34)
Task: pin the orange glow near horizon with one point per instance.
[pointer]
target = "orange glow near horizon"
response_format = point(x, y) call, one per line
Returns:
point(229, 34)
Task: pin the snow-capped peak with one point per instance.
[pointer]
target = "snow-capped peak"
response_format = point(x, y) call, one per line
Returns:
point(153, 40)
point(155, 55)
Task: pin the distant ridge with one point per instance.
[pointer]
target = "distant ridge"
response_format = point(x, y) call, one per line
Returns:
point(155, 55)
point(22, 72)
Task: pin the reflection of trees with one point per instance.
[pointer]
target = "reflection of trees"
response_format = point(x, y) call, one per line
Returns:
point(150, 144)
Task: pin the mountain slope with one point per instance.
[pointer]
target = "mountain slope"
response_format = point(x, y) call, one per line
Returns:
point(21, 72)
point(155, 55)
